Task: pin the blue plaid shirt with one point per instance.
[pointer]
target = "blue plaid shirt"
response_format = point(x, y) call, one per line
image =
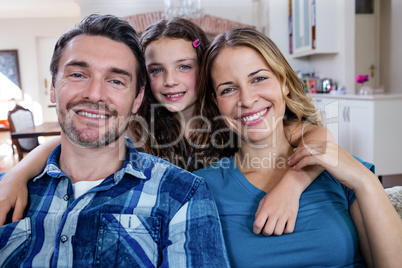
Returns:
point(149, 213)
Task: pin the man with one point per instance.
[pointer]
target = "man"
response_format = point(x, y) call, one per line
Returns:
point(99, 202)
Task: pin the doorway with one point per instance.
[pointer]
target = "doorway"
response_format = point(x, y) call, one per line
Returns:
point(45, 47)
point(367, 22)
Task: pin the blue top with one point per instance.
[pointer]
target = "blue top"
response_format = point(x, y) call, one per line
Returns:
point(149, 213)
point(324, 234)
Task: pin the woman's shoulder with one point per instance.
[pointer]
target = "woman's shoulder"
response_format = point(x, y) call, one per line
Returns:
point(218, 167)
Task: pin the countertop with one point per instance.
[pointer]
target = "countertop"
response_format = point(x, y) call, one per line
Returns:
point(356, 97)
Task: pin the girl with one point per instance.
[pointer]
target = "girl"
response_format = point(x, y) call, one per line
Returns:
point(170, 125)
point(256, 90)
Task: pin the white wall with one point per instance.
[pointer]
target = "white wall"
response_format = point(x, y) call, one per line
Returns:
point(21, 34)
point(270, 16)
point(390, 45)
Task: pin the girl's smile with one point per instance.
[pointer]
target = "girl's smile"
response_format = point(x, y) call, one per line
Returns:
point(172, 68)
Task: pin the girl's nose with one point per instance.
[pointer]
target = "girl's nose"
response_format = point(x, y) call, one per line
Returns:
point(170, 79)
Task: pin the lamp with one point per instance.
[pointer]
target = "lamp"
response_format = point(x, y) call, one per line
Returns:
point(190, 9)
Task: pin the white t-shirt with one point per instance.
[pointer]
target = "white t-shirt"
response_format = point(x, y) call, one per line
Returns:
point(81, 187)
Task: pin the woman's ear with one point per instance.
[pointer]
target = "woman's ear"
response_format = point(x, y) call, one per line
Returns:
point(286, 91)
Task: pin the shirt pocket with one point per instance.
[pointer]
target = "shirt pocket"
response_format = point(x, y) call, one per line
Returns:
point(127, 240)
point(14, 241)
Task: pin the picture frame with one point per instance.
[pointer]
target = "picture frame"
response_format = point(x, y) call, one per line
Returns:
point(9, 66)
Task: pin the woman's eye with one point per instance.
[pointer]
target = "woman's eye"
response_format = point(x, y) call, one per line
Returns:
point(156, 71)
point(260, 78)
point(227, 90)
point(185, 67)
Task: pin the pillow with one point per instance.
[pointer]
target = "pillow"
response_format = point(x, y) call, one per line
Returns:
point(395, 195)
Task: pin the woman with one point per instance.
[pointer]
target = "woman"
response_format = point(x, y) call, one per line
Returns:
point(257, 92)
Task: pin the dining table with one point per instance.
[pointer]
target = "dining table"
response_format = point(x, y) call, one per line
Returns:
point(45, 129)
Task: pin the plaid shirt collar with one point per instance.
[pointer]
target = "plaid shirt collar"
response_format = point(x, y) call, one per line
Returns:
point(133, 165)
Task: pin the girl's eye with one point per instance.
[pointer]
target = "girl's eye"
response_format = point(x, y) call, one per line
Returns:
point(227, 90)
point(156, 71)
point(260, 78)
point(185, 67)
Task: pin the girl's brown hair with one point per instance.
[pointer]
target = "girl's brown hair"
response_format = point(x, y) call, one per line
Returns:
point(159, 131)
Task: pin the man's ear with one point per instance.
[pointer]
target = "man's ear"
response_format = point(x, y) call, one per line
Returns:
point(52, 94)
point(138, 100)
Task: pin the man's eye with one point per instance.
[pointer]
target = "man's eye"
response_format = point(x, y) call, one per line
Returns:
point(77, 75)
point(156, 71)
point(117, 82)
point(185, 67)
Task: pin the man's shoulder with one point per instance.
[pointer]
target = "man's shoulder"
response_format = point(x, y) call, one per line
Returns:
point(170, 177)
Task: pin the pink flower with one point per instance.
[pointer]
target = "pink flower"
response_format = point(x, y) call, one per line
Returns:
point(361, 78)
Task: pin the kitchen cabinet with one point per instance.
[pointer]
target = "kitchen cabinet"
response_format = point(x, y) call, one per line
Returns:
point(313, 27)
point(369, 127)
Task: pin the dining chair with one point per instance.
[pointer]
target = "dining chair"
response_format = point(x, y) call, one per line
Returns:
point(19, 119)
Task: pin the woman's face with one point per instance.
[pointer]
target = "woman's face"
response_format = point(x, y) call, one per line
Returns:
point(249, 95)
point(172, 68)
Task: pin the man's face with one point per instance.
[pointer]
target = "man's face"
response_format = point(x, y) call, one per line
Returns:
point(95, 90)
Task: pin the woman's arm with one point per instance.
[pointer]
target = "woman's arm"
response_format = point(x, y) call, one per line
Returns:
point(277, 211)
point(377, 222)
point(13, 189)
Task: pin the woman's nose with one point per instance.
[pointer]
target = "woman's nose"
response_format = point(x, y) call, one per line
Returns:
point(247, 97)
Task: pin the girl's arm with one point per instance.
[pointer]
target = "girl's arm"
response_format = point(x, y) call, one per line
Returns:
point(13, 186)
point(378, 225)
point(277, 211)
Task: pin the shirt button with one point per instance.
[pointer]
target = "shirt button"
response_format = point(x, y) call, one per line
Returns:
point(66, 197)
point(63, 238)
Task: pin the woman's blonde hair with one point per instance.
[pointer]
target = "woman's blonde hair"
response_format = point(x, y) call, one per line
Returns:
point(299, 107)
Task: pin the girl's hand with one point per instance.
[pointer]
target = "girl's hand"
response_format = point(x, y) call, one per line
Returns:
point(277, 211)
point(336, 160)
point(13, 196)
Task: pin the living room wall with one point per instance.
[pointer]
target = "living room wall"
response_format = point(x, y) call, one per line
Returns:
point(21, 34)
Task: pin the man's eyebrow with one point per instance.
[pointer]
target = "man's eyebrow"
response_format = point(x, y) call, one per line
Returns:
point(77, 63)
point(120, 71)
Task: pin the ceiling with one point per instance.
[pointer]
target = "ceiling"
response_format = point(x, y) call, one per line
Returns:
point(38, 8)
point(73, 8)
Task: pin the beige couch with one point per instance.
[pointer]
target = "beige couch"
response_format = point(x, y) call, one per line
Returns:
point(395, 195)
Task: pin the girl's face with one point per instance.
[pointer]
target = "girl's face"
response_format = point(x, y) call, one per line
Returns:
point(249, 95)
point(172, 68)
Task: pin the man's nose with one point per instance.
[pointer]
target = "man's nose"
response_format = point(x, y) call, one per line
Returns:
point(96, 91)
